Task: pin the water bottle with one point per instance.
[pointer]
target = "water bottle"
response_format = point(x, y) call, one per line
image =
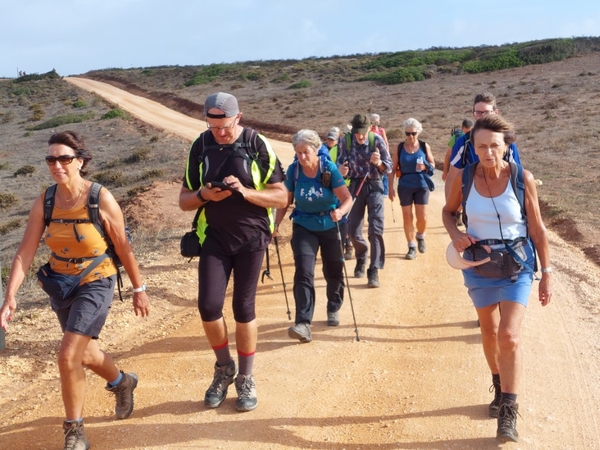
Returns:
point(419, 161)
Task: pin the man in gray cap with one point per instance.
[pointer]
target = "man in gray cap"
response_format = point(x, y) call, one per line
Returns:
point(233, 178)
point(365, 160)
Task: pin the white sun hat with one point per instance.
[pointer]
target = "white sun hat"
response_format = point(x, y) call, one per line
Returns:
point(456, 260)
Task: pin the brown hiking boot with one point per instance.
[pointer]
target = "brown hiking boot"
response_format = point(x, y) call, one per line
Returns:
point(75, 438)
point(124, 395)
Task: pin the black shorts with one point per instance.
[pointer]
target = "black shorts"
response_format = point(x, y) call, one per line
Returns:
point(86, 312)
point(408, 196)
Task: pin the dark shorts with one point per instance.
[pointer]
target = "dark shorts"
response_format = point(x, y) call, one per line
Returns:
point(408, 196)
point(86, 312)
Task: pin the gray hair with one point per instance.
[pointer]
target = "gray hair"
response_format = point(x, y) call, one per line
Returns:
point(374, 117)
point(334, 130)
point(309, 137)
point(413, 123)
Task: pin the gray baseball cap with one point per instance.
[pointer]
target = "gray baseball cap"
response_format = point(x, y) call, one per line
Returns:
point(223, 101)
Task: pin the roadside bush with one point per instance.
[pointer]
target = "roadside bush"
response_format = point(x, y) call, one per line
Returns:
point(62, 120)
point(79, 103)
point(38, 112)
point(7, 227)
point(141, 154)
point(300, 84)
point(116, 113)
point(8, 199)
point(25, 170)
point(405, 75)
point(151, 174)
point(109, 178)
point(206, 75)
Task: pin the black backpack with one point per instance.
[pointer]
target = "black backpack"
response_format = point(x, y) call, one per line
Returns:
point(93, 208)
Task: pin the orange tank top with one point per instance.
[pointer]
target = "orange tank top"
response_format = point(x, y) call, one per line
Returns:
point(77, 240)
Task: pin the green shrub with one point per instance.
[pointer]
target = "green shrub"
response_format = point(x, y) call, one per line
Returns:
point(151, 174)
point(52, 75)
point(116, 113)
point(547, 51)
point(28, 134)
point(496, 61)
point(62, 120)
point(300, 84)
point(7, 227)
point(113, 178)
point(405, 75)
point(8, 199)
point(79, 103)
point(138, 155)
point(282, 78)
point(21, 91)
point(207, 75)
point(4, 165)
point(25, 170)
point(154, 139)
point(38, 112)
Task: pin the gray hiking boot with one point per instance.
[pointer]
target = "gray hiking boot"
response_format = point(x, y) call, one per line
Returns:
point(373, 278)
point(223, 377)
point(495, 405)
point(75, 438)
point(333, 319)
point(421, 245)
point(507, 423)
point(412, 253)
point(300, 331)
point(246, 390)
point(359, 270)
point(124, 395)
point(348, 252)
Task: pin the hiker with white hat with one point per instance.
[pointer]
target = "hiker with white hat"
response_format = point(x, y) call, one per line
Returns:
point(504, 228)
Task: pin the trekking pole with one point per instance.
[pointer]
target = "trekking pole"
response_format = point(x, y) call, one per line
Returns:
point(282, 280)
point(337, 224)
point(393, 215)
point(356, 195)
point(266, 272)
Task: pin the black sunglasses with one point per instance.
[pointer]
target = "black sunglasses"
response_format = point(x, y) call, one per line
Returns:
point(410, 133)
point(62, 159)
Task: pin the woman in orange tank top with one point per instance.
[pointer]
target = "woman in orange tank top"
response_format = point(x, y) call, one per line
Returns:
point(74, 246)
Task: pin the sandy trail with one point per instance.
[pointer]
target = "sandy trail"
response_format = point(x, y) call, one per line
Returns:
point(416, 380)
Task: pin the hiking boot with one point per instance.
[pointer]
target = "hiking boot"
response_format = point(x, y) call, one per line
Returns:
point(246, 390)
point(412, 253)
point(421, 245)
point(75, 438)
point(348, 252)
point(333, 319)
point(359, 270)
point(373, 278)
point(300, 331)
point(124, 394)
point(223, 377)
point(495, 405)
point(507, 423)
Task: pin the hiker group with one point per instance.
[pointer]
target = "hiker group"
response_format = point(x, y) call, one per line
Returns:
point(241, 194)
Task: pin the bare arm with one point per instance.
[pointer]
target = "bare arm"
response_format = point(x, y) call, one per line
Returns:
point(23, 259)
point(446, 163)
point(114, 224)
point(280, 213)
point(345, 198)
point(392, 176)
point(454, 200)
point(537, 231)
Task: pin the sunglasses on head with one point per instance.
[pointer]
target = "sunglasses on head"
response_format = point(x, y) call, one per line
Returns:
point(410, 133)
point(62, 159)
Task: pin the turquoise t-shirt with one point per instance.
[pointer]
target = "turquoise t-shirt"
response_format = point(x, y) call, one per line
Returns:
point(313, 201)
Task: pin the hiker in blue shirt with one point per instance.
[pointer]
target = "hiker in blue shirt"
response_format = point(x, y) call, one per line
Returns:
point(321, 199)
point(366, 167)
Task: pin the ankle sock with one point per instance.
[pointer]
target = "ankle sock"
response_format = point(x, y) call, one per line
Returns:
point(117, 380)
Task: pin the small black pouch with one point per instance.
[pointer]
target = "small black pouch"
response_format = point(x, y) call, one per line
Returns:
point(190, 245)
point(501, 264)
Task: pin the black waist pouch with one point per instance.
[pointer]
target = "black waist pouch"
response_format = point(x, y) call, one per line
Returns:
point(190, 245)
point(501, 264)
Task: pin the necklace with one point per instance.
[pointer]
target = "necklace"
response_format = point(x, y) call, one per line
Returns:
point(66, 201)
point(411, 150)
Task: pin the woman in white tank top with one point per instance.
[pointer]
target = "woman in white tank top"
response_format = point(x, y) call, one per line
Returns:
point(494, 213)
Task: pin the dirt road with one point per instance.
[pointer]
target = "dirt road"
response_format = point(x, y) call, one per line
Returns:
point(417, 378)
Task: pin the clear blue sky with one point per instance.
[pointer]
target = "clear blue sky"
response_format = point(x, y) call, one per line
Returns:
point(74, 36)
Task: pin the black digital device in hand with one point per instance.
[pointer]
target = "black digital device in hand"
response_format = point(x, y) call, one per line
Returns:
point(221, 185)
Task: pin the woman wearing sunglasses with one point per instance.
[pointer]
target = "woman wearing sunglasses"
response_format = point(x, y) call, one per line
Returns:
point(76, 243)
point(412, 162)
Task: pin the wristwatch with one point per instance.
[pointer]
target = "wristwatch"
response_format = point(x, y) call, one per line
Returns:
point(140, 289)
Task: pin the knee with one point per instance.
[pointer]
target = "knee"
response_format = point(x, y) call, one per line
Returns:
point(508, 340)
point(67, 359)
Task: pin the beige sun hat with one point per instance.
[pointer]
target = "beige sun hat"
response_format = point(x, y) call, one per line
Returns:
point(456, 260)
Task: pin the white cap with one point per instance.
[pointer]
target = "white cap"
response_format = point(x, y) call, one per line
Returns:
point(456, 260)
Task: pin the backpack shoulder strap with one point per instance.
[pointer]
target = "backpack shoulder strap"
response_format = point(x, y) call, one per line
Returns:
point(49, 203)
point(467, 182)
point(423, 145)
point(371, 141)
point(466, 148)
point(517, 181)
point(348, 138)
point(93, 207)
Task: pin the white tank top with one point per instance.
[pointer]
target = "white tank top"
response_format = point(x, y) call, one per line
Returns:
point(483, 219)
